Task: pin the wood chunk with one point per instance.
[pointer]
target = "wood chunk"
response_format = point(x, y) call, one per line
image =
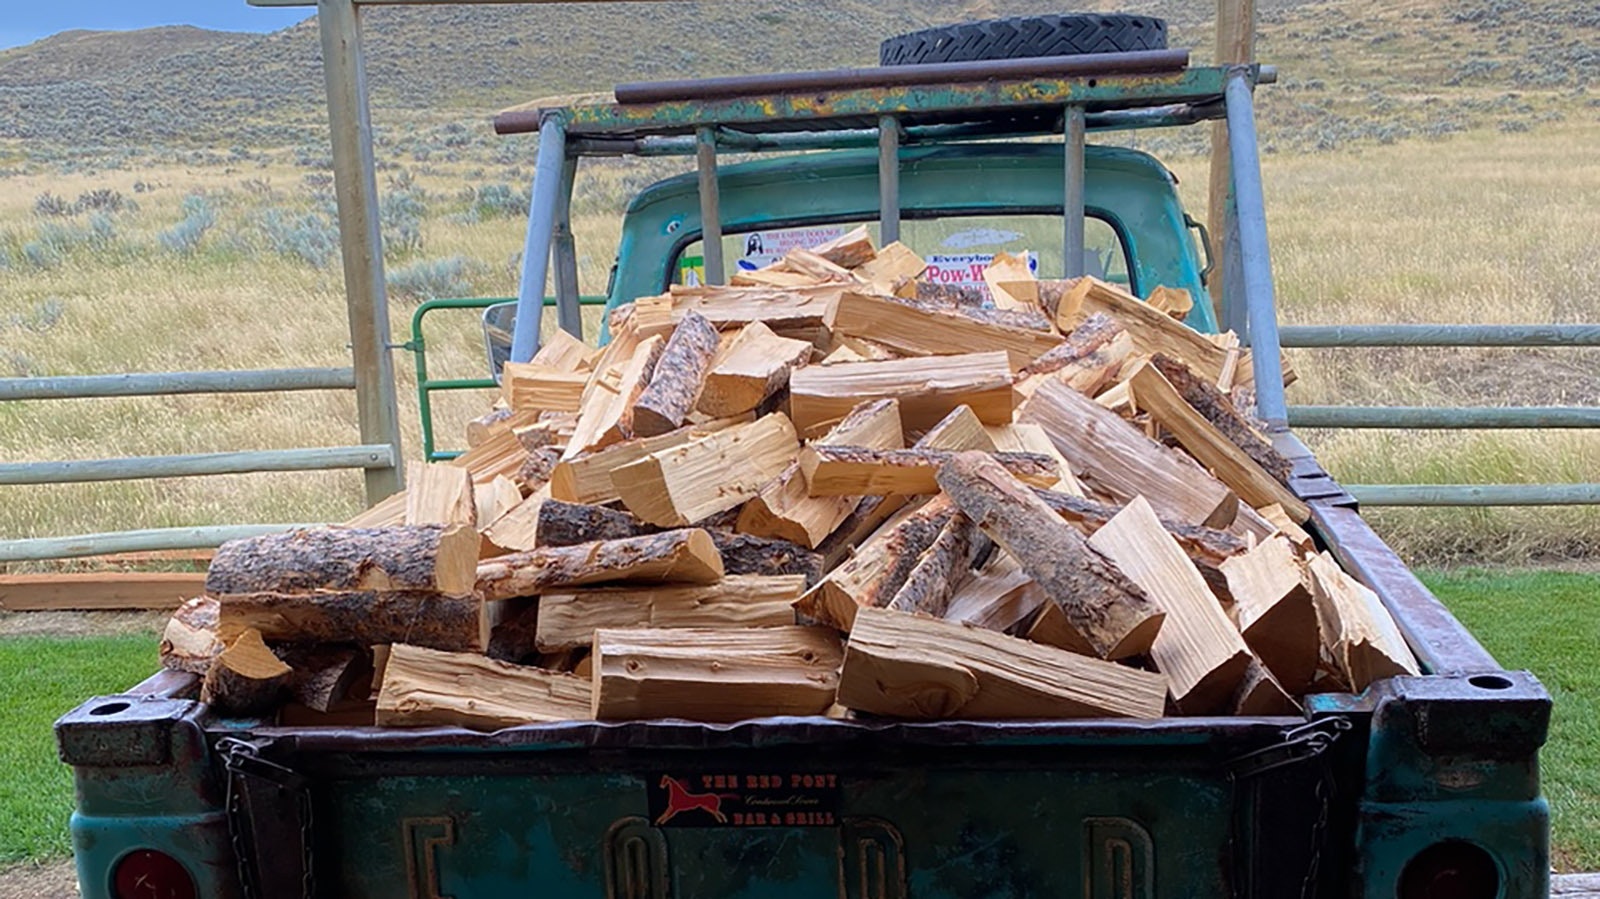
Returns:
point(245, 679)
point(568, 620)
point(928, 587)
point(440, 494)
point(539, 388)
point(911, 667)
point(1261, 694)
point(1007, 269)
point(322, 674)
point(879, 567)
point(426, 688)
point(1030, 438)
point(428, 558)
point(766, 557)
point(894, 265)
point(1363, 638)
point(457, 623)
point(950, 296)
point(1283, 524)
point(1174, 301)
point(686, 556)
point(563, 352)
point(928, 389)
point(958, 431)
point(538, 469)
point(515, 637)
point(1198, 648)
point(1112, 614)
point(1275, 611)
point(998, 597)
point(854, 471)
point(678, 379)
point(1205, 547)
point(493, 500)
point(720, 471)
point(568, 524)
point(606, 415)
point(1050, 626)
point(819, 269)
point(1112, 456)
point(516, 530)
point(850, 250)
point(931, 332)
point(189, 642)
point(1096, 332)
point(705, 674)
point(753, 366)
point(587, 478)
point(802, 313)
point(493, 422)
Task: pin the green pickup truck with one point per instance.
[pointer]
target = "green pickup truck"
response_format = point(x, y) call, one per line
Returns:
point(1420, 787)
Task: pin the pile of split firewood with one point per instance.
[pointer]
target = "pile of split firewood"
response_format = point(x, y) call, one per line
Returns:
point(827, 488)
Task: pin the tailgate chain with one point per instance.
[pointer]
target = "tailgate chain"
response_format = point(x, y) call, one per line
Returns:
point(1300, 744)
point(242, 759)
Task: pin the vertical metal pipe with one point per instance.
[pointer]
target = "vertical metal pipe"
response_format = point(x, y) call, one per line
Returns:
point(888, 179)
point(1072, 199)
point(360, 238)
point(705, 141)
point(1260, 304)
point(568, 314)
point(541, 227)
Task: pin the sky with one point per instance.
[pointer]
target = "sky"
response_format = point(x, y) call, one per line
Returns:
point(25, 21)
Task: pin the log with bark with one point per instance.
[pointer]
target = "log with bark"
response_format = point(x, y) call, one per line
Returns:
point(190, 642)
point(683, 556)
point(752, 367)
point(423, 688)
point(679, 377)
point(365, 618)
point(246, 679)
point(440, 559)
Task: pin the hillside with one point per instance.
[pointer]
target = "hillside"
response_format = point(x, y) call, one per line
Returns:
point(1351, 71)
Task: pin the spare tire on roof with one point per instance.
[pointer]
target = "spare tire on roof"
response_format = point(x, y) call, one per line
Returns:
point(1025, 36)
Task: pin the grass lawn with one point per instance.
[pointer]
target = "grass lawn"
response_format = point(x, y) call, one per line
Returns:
point(1548, 623)
point(41, 678)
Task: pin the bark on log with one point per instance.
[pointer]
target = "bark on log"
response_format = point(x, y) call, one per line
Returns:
point(682, 556)
point(322, 674)
point(766, 556)
point(246, 679)
point(929, 586)
point(1113, 615)
point(190, 641)
point(1218, 409)
point(1095, 332)
point(568, 524)
point(433, 558)
point(365, 618)
point(678, 379)
point(878, 569)
point(568, 620)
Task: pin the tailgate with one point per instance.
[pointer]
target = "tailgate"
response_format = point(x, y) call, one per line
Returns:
point(812, 807)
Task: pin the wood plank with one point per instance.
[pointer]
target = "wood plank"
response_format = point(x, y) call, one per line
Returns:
point(913, 667)
point(1362, 635)
point(1112, 456)
point(427, 688)
point(1114, 615)
point(714, 675)
point(932, 332)
point(427, 558)
point(749, 369)
point(675, 386)
point(711, 474)
point(440, 494)
point(1275, 611)
point(928, 389)
point(685, 556)
point(245, 679)
point(190, 642)
point(365, 618)
point(587, 478)
point(857, 471)
point(568, 620)
point(98, 590)
point(1198, 648)
point(1155, 394)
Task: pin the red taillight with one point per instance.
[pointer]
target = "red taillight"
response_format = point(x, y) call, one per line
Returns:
point(1453, 869)
point(148, 874)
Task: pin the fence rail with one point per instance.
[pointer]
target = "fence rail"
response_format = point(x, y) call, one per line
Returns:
point(176, 383)
point(1340, 336)
point(152, 540)
point(140, 467)
point(1444, 417)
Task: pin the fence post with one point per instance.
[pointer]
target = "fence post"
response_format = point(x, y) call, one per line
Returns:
point(360, 238)
point(1236, 45)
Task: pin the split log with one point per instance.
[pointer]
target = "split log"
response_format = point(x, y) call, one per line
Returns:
point(850, 250)
point(928, 389)
point(430, 558)
point(1112, 456)
point(425, 618)
point(568, 620)
point(495, 421)
point(714, 473)
point(568, 524)
point(879, 567)
point(440, 494)
point(563, 352)
point(895, 264)
point(678, 379)
point(818, 268)
point(1280, 520)
point(1007, 276)
point(855, 471)
point(766, 557)
point(802, 313)
point(923, 332)
point(515, 638)
point(1174, 301)
point(1358, 630)
point(1275, 611)
point(1155, 394)
point(911, 667)
point(1094, 333)
point(1114, 615)
point(948, 296)
point(685, 556)
point(539, 388)
point(322, 675)
point(189, 642)
point(785, 507)
point(493, 500)
point(606, 413)
point(427, 688)
point(245, 679)
point(998, 597)
point(714, 675)
point(928, 588)
point(1198, 648)
point(537, 470)
point(587, 478)
point(752, 367)
point(516, 530)
point(1260, 693)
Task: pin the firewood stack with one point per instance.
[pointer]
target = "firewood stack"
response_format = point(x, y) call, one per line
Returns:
point(826, 488)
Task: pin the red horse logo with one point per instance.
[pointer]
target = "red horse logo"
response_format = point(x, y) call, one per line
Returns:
point(679, 799)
